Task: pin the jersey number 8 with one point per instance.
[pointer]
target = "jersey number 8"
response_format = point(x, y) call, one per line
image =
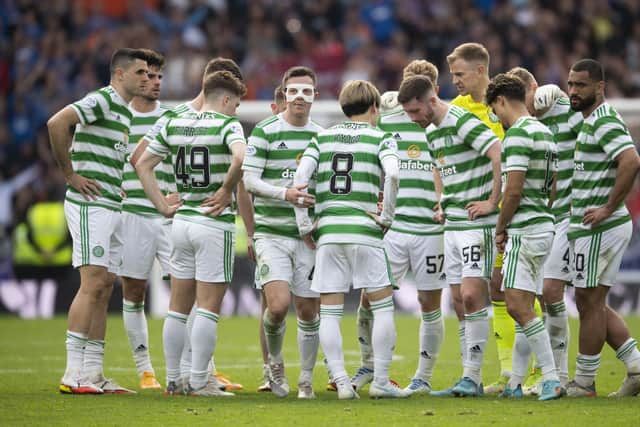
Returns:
point(341, 165)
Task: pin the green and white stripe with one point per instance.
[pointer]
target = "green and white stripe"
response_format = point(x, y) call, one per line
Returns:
point(191, 137)
point(309, 326)
point(594, 254)
point(135, 307)
point(228, 256)
point(99, 145)
point(348, 159)
point(565, 125)
point(431, 316)
point(511, 272)
point(602, 137)
point(84, 235)
point(331, 310)
point(417, 196)
point(207, 314)
point(458, 146)
point(136, 200)
point(528, 147)
point(274, 151)
point(626, 348)
point(534, 327)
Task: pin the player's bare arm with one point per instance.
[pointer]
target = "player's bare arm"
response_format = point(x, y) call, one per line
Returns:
point(60, 139)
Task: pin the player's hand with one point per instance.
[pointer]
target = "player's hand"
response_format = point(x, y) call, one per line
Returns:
point(384, 225)
point(251, 252)
point(595, 216)
point(480, 208)
point(309, 242)
point(380, 205)
point(89, 188)
point(170, 210)
point(438, 214)
point(299, 198)
point(501, 240)
point(172, 198)
point(546, 96)
point(218, 202)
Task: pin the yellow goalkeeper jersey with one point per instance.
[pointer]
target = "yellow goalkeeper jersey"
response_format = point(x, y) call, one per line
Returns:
point(481, 111)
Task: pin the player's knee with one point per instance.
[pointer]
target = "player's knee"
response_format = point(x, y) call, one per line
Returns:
point(134, 290)
point(587, 300)
point(552, 294)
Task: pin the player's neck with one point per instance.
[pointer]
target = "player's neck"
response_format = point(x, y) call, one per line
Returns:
point(440, 111)
point(126, 96)
point(364, 118)
point(143, 105)
point(295, 119)
point(198, 101)
point(478, 93)
point(516, 112)
point(599, 101)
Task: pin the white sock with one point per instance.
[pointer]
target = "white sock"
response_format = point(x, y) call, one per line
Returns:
point(75, 344)
point(135, 324)
point(331, 341)
point(586, 369)
point(541, 347)
point(383, 338)
point(476, 335)
point(364, 321)
point(203, 344)
point(185, 357)
point(173, 334)
point(308, 343)
point(628, 353)
point(93, 359)
point(557, 324)
point(462, 330)
point(431, 335)
point(520, 358)
point(275, 337)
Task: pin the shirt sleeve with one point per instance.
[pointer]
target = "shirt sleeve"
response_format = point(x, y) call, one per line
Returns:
point(92, 107)
point(518, 148)
point(388, 147)
point(255, 157)
point(475, 133)
point(232, 132)
point(159, 145)
point(612, 136)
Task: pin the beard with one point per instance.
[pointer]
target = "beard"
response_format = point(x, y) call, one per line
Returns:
point(582, 104)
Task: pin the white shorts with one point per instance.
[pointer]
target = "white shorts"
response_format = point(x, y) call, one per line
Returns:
point(468, 253)
point(339, 265)
point(558, 265)
point(145, 238)
point(524, 259)
point(96, 235)
point(424, 255)
point(201, 252)
point(597, 257)
point(285, 259)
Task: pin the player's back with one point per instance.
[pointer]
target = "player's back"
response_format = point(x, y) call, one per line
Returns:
point(198, 143)
point(349, 174)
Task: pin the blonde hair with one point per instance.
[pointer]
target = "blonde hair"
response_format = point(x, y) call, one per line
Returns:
point(523, 74)
point(357, 96)
point(421, 67)
point(470, 52)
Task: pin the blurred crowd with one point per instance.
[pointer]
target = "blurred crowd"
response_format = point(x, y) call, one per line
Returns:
point(53, 52)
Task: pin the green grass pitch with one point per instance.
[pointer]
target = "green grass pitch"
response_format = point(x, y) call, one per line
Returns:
point(32, 359)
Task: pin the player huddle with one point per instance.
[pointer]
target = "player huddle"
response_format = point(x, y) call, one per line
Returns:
point(510, 192)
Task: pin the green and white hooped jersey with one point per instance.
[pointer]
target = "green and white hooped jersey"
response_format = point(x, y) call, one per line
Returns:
point(603, 136)
point(528, 146)
point(99, 145)
point(136, 200)
point(198, 144)
point(348, 159)
point(565, 125)
point(458, 147)
point(274, 150)
point(417, 195)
